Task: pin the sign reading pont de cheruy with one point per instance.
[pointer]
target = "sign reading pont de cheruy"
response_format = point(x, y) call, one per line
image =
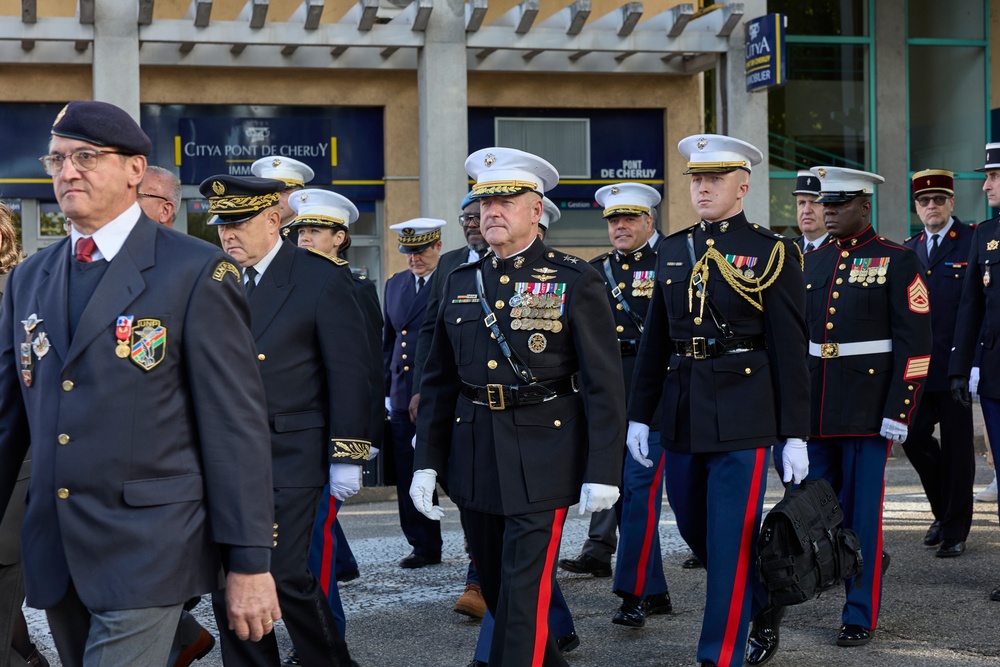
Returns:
point(765, 52)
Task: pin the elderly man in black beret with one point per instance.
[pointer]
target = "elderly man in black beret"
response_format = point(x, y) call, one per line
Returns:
point(127, 362)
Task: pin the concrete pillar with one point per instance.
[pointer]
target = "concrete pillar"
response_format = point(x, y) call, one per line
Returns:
point(116, 54)
point(743, 115)
point(892, 199)
point(442, 91)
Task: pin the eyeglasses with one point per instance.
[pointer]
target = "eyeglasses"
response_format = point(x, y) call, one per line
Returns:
point(147, 194)
point(84, 160)
point(938, 200)
point(468, 220)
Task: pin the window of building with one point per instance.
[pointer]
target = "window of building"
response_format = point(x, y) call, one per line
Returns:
point(565, 142)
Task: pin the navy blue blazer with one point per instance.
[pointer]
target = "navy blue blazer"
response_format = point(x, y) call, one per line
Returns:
point(944, 276)
point(144, 475)
point(404, 310)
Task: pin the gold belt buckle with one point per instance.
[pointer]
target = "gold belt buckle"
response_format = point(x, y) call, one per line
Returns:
point(829, 350)
point(699, 347)
point(494, 394)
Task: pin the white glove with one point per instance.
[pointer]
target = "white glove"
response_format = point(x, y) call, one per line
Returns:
point(974, 383)
point(422, 494)
point(597, 497)
point(388, 404)
point(637, 442)
point(413, 441)
point(894, 430)
point(372, 453)
point(345, 480)
point(794, 460)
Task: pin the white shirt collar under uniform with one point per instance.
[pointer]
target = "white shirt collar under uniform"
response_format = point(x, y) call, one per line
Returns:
point(111, 237)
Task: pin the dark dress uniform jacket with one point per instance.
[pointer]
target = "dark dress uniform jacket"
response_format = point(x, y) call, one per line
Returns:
point(852, 394)
point(405, 308)
point(310, 336)
point(944, 275)
point(448, 263)
point(371, 309)
point(628, 269)
point(530, 458)
point(980, 305)
point(160, 467)
point(733, 401)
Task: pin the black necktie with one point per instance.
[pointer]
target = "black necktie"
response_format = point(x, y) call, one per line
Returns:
point(810, 247)
point(420, 284)
point(251, 280)
point(934, 247)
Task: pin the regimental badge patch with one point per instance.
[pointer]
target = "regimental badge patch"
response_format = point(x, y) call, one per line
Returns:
point(917, 367)
point(917, 296)
point(226, 267)
point(993, 245)
point(148, 344)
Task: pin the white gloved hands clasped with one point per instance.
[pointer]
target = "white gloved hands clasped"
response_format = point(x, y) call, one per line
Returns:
point(794, 460)
point(637, 442)
point(372, 453)
point(422, 494)
point(894, 430)
point(597, 497)
point(388, 404)
point(345, 480)
point(974, 383)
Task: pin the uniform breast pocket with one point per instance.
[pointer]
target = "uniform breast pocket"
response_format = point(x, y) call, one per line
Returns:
point(674, 286)
point(743, 381)
point(866, 301)
point(817, 292)
point(462, 321)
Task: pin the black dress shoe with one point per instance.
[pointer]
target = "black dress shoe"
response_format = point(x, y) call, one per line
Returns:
point(853, 635)
point(995, 595)
point(348, 576)
point(478, 663)
point(950, 549)
point(886, 558)
point(692, 563)
point(415, 560)
point(631, 614)
point(657, 604)
point(586, 564)
point(568, 643)
point(706, 663)
point(762, 643)
point(933, 536)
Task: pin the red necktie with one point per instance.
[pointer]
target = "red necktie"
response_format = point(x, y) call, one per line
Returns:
point(85, 247)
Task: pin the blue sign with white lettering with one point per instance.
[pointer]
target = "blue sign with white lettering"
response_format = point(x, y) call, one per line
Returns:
point(765, 52)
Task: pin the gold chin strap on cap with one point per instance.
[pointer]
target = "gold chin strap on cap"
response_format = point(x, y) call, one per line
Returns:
point(750, 289)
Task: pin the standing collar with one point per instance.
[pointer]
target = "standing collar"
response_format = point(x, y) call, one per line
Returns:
point(862, 237)
point(729, 224)
point(517, 260)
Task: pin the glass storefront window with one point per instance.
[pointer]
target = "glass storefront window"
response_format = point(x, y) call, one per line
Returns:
point(821, 116)
point(846, 18)
point(51, 221)
point(956, 19)
point(782, 217)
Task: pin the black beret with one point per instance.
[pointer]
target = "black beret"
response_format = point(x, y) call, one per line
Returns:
point(236, 199)
point(101, 124)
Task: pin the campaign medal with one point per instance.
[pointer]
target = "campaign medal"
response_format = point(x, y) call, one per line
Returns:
point(26, 364)
point(537, 342)
point(32, 322)
point(41, 344)
point(149, 343)
point(123, 332)
point(986, 276)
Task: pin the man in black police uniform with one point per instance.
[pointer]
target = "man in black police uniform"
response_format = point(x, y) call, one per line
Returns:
point(126, 360)
point(869, 352)
point(543, 370)
point(809, 213)
point(724, 355)
point(947, 469)
point(980, 310)
point(310, 335)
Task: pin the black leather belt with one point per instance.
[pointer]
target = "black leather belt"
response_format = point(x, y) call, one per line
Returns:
point(505, 397)
point(629, 347)
point(707, 348)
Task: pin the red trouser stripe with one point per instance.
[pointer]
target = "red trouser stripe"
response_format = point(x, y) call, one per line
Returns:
point(647, 538)
point(877, 573)
point(545, 589)
point(743, 564)
point(326, 566)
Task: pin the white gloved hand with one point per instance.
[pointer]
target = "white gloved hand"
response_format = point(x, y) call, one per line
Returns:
point(974, 383)
point(637, 442)
point(422, 494)
point(597, 497)
point(388, 404)
point(894, 430)
point(794, 460)
point(345, 480)
point(372, 453)
point(413, 441)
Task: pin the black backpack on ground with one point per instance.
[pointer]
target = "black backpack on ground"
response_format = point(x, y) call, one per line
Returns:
point(802, 550)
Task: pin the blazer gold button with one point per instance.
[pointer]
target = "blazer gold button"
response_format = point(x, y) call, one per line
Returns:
point(910, 387)
point(491, 364)
point(844, 253)
point(406, 368)
point(619, 328)
point(403, 332)
point(842, 267)
point(67, 385)
point(621, 285)
point(403, 344)
point(871, 371)
point(63, 493)
point(747, 371)
point(504, 280)
point(833, 311)
point(458, 320)
point(625, 267)
point(669, 281)
point(276, 526)
point(276, 543)
point(840, 281)
point(619, 306)
point(557, 423)
point(906, 402)
point(499, 304)
point(902, 416)
point(458, 420)
point(551, 255)
point(829, 325)
point(275, 535)
point(404, 356)
point(63, 439)
point(809, 286)
point(261, 357)
point(836, 295)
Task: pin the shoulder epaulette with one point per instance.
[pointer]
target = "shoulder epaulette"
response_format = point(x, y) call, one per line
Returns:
point(565, 259)
point(336, 260)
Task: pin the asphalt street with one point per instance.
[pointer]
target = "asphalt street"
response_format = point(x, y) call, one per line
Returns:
point(934, 611)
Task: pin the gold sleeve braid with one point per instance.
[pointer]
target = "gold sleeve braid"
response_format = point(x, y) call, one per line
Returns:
point(748, 288)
